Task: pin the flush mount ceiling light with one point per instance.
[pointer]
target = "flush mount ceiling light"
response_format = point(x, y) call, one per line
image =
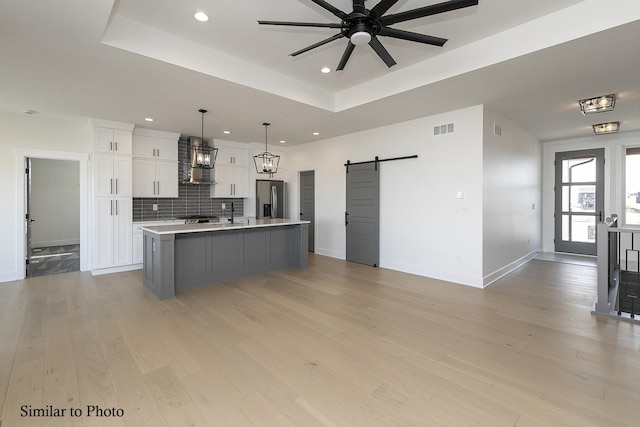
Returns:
point(201, 16)
point(325, 70)
point(148, 119)
point(605, 128)
point(599, 104)
point(266, 163)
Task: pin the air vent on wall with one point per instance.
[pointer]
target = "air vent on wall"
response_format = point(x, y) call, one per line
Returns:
point(443, 129)
point(497, 129)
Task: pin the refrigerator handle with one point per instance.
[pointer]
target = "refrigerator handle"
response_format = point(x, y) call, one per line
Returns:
point(274, 202)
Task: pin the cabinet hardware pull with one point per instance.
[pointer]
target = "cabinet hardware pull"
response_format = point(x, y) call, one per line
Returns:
point(116, 207)
point(158, 187)
point(116, 146)
point(111, 146)
point(111, 204)
point(116, 185)
point(111, 186)
point(157, 152)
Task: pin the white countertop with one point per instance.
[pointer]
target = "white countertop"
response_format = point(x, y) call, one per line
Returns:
point(216, 226)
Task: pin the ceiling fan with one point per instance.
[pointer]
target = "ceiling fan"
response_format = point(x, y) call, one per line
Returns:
point(363, 26)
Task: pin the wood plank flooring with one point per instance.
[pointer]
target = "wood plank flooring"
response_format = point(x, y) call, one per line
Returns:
point(337, 344)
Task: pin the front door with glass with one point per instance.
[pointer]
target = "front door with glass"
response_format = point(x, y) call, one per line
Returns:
point(579, 204)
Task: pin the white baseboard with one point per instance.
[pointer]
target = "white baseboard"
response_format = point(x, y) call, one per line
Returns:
point(46, 244)
point(330, 253)
point(8, 276)
point(122, 268)
point(418, 270)
point(490, 278)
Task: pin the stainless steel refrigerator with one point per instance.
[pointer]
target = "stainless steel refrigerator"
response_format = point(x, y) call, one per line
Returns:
point(270, 199)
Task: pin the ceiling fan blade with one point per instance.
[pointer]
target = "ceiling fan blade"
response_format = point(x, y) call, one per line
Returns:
point(358, 6)
point(300, 24)
point(411, 36)
point(337, 12)
point(382, 52)
point(382, 7)
point(421, 12)
point(313, 46)
point(345, 56)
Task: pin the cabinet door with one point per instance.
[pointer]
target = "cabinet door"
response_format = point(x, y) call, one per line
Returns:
point(103, 140)
point(103, 184)
point(122, 174)
point(166, 149)
point(167, 179)
point(122, 142)
point(103, 233)
point(144, 178)
point(136, 257)
point(241, 182)
point(122, 231)
point(144, 146)
point(224, 181)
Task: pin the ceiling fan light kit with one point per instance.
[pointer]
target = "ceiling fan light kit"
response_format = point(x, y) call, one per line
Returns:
point(363, 26)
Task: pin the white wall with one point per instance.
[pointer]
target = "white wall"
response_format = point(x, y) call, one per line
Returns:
point(512, 166)
point(614, 153)
point(21, 131)
point(424, 228)
point(55, 202)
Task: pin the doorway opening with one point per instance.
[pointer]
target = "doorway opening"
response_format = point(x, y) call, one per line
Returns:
point(52, 216)
point(81, 185)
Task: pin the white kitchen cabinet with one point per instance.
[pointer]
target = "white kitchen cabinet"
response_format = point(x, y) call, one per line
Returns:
point(232, 156)
point(231, 181)
point(112, 232)
point(114, 141)
point(155, 178)
point(151, 147)
point(111, 175)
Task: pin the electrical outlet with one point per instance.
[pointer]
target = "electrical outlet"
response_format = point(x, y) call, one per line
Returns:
point(155, 207)
point(223, 206)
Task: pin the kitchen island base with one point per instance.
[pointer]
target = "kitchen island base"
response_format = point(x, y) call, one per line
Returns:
point(179, 261)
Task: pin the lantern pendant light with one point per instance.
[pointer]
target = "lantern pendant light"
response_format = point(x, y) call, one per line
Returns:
point(202, 156)
point(266, 163)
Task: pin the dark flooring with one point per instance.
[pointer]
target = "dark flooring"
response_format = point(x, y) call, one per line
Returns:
point(54, 259)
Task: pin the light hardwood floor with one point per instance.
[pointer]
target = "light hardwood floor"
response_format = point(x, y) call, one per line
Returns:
point(337, 344)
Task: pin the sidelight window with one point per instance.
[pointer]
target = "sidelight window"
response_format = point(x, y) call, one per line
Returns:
point(632, 186)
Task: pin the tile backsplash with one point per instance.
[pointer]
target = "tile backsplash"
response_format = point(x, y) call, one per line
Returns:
point(192, 199)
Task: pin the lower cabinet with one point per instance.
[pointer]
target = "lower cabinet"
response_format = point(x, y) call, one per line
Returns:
point(112, 232)
point(138, 238)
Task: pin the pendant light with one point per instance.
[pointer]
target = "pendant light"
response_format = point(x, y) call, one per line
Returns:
point(202, 156)
point(266, 163)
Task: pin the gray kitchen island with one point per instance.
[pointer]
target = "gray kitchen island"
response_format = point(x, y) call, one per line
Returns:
point(178, 257)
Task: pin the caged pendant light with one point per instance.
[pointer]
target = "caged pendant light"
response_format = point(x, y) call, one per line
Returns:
point(266, 163)
point(202, 156)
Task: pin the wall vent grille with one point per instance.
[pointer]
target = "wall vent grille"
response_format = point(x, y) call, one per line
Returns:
point(443, 129)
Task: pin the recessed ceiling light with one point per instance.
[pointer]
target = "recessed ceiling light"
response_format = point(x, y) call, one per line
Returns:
point(326, 70)
point(30, 112)
point(227, 132)
point(148, 119)
point(316, 133)
point(201, 16)
point(282, 141)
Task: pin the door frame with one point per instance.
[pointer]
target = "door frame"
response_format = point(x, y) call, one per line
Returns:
point(578, 247)
point(35, 153)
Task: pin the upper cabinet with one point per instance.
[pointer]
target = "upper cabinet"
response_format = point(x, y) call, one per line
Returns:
point(231, 156)
point(155, 164)
point(113, 141)
point(149, 147)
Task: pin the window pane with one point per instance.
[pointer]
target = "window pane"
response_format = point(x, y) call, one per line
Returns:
point(579, 170)
point(583, 229)
point(632, 187)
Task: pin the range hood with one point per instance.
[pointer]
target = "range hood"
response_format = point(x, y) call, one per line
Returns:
point(200, 161)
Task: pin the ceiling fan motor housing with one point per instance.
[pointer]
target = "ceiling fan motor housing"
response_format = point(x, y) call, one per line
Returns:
point(360, 28)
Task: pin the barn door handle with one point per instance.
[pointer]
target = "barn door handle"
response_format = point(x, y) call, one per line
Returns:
point(346, 218)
